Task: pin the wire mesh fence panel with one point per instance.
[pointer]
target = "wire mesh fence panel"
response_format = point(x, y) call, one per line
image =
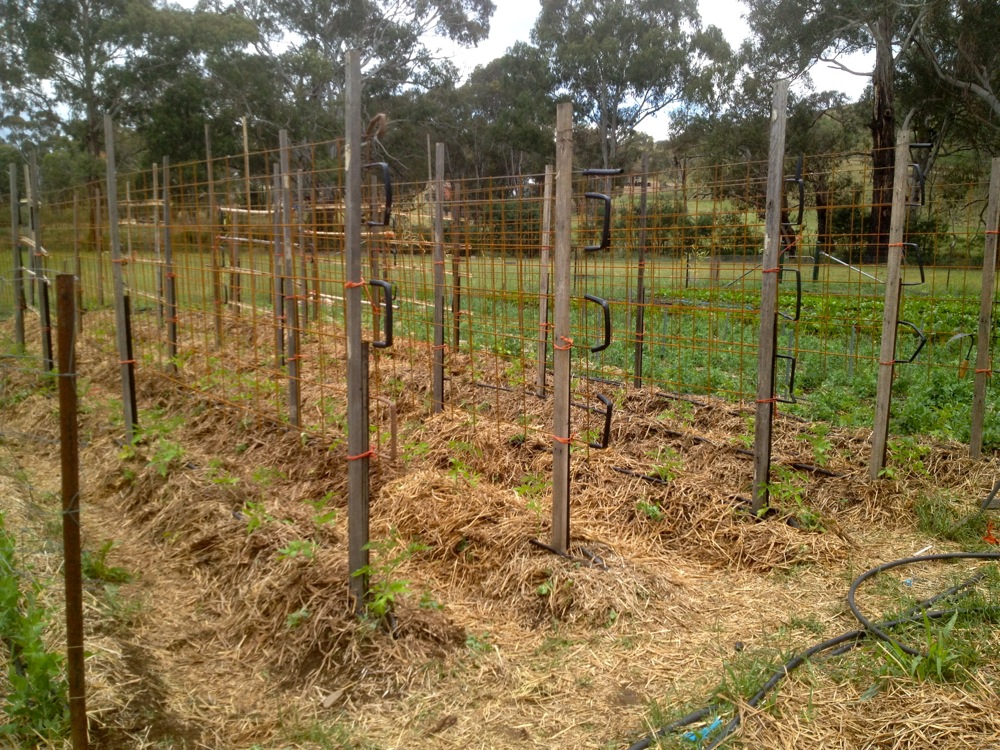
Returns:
point(254, 258)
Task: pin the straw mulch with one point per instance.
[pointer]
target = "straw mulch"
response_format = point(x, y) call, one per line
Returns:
point(232, 635)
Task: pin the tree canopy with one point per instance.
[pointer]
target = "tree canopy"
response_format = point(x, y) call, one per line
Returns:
point(625, 60)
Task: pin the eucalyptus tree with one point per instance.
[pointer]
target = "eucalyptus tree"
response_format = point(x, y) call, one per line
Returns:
point(303, 43)
point(623, 61)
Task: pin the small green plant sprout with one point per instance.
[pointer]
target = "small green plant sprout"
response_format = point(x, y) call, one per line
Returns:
point(652, 511)
point(298, 548)
point(256, 516)
point(817, 438)
point(265, 476)
point(296, 618)
point(906, 457)
point(478, 644)
point(427, 601)
point(532, 486)
point(667, 464)
point(96, 568)
point(384, 589)
point(324, 515)
point(747, 438)
point(218, 475)
point(787, 493)
point(166, 455)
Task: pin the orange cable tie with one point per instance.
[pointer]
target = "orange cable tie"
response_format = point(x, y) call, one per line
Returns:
point(354, 284)
point(126, 362)
point(564, 440)
point(366, 454)
point(566, 347)
point(772, 400)
point(887, 364)
point(439, 347)
point(897, 244)
point(771, 270)
point(987, 370)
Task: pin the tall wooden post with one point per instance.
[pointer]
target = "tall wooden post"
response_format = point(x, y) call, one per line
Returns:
point(302, 277)
point(41, 284)
point(277, 269)
point(983, 367)
point(357, 350)
point(213, 233)
point(77, 264)
point(72, 569)
point(169, 277)
point(157, 252)
point(457, 220)
point(126, 371)
point(890, 314)
point(562, 342)
point(544, 261)
point(640, 286)
point(437, 379)
point(769, 300)
point(289, 297)
point(15, 239)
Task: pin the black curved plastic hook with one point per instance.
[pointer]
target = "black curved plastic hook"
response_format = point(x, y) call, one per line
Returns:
point(798, 294)
point(609, 408)
point(923, 340)
point(386, 288)
point(606, 227)
point(920, 264)
point(387, 184)
point(791, 379)
point(607, 322)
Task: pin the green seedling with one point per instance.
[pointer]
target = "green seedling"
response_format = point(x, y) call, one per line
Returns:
point(298, 548)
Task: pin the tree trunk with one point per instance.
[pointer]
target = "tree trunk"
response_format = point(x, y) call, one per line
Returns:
point(883, 128)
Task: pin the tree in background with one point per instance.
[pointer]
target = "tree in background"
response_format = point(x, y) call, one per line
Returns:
point(302, 45)
point(625, 60)
point(789, 36)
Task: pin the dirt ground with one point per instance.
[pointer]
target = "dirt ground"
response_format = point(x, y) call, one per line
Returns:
point(236, 631)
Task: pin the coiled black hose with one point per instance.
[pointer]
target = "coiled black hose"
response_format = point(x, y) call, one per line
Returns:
point(841, 643)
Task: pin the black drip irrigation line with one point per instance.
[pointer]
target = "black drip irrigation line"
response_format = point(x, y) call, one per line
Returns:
point(590, 559)
point(841, 643)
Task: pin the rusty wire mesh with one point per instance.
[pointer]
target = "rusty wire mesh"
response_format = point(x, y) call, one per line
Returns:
point(680, 278)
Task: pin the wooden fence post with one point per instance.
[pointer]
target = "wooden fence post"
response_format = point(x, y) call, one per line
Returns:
point(125, 363)
point(640, 282)
point(169, 277)
point(544, 261)
point(289, 297)
point(562, 342)
point(277, 272)
point(357, 350)
point(213, 233)
point(77, 263)
point(70, 464)
point(437, 390)
point(983, 367)
point(890, 314)
point(769, 300)
point(15, 238)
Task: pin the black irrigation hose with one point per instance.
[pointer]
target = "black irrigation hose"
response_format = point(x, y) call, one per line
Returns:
point(875, 629)
point(841, 643)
